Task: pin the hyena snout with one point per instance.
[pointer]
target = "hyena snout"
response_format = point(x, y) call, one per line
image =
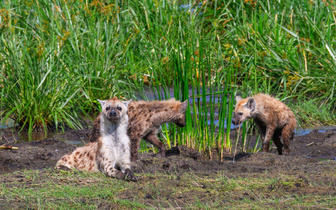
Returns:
point(113, 113)
point(236, 120)
point(181, 122)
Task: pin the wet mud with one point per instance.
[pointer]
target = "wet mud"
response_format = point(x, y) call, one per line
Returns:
point(313, 154)
point(313, 147)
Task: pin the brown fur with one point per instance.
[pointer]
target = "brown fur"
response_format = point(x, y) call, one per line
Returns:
point(272, 117)
point(145, 119)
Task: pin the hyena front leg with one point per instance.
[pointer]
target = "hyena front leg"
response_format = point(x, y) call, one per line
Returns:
point(267, 139)
point(153, 139)
point(125, 161)
point(108, 168)
point(125, 165)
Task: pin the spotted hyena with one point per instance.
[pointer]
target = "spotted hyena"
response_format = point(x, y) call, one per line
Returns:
point(112, 150)
point(145, 119)
point(272, 117)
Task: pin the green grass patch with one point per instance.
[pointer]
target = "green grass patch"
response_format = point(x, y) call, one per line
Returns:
point(71, 190)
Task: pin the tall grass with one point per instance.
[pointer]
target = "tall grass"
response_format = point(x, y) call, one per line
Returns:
point(57, 58)
point(279, 48)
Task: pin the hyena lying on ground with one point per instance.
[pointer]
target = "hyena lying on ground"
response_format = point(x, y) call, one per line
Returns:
point(145, 119)
point(273, 118)
point(112, 148)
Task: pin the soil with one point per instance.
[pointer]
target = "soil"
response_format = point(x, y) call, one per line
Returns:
point(311, 154)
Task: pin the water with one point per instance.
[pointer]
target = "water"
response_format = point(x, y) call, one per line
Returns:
point(75, 142)
point(34, 136)
point(149, 94)
point(307, 130)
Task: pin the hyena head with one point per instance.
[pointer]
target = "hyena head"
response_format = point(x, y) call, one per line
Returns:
point(114, 109)
point(180, 117)
point(243, 110)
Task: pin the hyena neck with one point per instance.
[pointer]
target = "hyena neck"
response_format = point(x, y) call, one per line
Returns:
point(112, 129)
point(257, 116)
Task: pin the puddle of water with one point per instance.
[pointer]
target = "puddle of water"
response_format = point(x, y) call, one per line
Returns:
point(34, 136)
point(75, 142)
point(216, 123)
point(149, 94)
point(304, 131)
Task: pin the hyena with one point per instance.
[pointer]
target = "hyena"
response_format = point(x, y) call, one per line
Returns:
point(145, 119)
point(112, 150)
point(272, 117)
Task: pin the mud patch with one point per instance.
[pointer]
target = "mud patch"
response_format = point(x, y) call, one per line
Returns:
point(321, 145)
point(34, 155)
point(305, 150)
point(37, 154)
point(187, 176)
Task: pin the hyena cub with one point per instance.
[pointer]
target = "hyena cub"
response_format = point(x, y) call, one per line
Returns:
point(272, 117)
point(112, 150)
point(145, 119)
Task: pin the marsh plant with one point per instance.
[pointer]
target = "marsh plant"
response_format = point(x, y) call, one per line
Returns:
point(57, 57)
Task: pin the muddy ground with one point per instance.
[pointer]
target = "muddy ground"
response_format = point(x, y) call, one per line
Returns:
point(312, 159)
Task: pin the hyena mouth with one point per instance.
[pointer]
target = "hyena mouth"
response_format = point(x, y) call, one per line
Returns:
point(113, 115)
point(235, 122)
point(181, 124)
point(113, 118)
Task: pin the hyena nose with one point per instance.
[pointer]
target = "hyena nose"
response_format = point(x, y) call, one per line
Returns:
point(234, 121)
point(113, 113)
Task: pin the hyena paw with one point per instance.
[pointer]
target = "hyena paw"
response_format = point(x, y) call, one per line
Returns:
point(119, 175)
point(129, 176)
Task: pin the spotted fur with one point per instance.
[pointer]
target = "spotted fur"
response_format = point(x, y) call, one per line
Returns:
point(273, 118)
point(145, 119)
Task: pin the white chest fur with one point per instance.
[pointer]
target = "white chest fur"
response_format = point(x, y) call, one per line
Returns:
point(115, 144)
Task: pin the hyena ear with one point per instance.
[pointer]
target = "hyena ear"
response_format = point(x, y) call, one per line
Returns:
point(238, 98)
point(184, 106)
point(171, 99)
point(102, 102)
point(126, 103)
point(251, 104)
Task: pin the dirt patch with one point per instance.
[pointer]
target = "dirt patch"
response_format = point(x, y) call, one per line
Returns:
point(321, 145)
point(305, 150)
point(37, 154)
point(312, 160)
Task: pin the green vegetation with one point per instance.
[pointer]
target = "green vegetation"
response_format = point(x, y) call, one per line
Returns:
point(57, 58)
point(72, 190)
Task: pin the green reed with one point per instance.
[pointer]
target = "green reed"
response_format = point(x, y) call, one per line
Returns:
point(57, 58)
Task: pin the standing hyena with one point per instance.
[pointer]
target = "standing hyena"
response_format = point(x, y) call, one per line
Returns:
point(111, 150)
point(272, 117)
point(145, 119)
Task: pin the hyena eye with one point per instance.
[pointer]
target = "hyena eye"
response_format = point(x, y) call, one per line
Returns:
point(119, 108)
point(107, 108)
point(240, 113)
